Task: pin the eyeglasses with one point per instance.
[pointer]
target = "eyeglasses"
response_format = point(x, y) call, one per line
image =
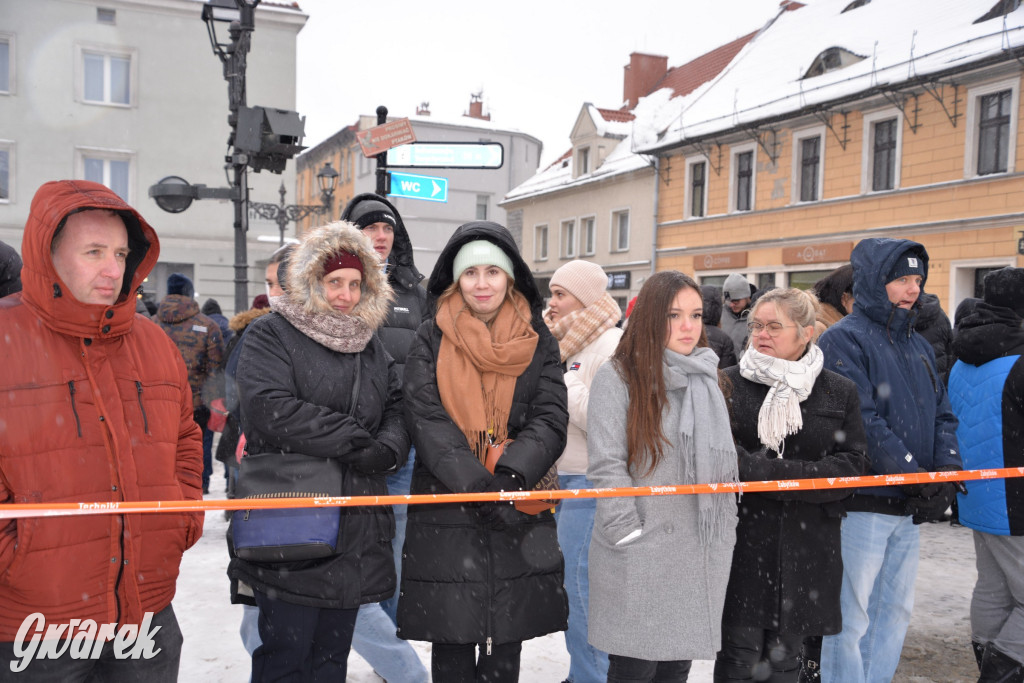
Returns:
point(774, 328)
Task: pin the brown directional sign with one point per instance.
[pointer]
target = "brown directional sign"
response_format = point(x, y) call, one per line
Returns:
point(381, 138)
point(817, 253)
point(720, 261)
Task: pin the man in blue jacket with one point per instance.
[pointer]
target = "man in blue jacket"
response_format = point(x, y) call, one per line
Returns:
point(910, 428)
point(986, 390)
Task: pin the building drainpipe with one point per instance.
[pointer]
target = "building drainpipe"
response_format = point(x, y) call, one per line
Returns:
point(654, 231)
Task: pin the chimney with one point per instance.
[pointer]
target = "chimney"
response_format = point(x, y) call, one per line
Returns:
point(642, 72)
point(476, 107)
point(790, 5)
point(423, 109)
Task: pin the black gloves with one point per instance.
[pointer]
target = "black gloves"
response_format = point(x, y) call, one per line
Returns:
point(504, 480)
point(499, 515)
point(201, 415)
point(377, 458)
point(929, 502)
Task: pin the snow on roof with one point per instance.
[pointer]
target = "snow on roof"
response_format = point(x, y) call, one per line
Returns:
point(558, 176)
point(898, 40)
point(465, 122)
point(611, 123)
point(621, 124)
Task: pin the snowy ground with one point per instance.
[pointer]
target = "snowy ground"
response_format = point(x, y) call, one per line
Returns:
point(937, 647)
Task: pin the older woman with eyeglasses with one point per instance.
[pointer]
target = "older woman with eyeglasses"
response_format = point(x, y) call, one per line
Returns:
point(787, 566)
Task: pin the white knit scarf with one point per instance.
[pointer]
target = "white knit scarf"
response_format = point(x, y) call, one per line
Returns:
point(789, 382)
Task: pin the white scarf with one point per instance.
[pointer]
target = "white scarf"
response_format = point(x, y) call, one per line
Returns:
point(790, 382)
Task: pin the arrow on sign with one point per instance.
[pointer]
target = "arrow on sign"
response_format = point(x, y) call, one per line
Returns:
point(419, 187)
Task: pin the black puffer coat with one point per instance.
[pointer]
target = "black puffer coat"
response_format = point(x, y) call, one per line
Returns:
point(787, 567)
point(462, 581)
point(296, 396)
point(933, 324)
point(409, 307)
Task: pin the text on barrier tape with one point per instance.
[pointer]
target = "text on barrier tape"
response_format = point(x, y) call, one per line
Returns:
point(15, 510)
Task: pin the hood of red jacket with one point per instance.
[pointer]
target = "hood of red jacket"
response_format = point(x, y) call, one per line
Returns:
point(43, 290)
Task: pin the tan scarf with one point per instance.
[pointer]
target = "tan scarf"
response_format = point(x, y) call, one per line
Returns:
point(477, 366)
point(582, 327)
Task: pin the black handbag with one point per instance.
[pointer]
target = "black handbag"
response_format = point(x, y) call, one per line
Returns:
point(289, 534)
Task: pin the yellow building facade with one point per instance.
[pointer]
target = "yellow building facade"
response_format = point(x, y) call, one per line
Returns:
point(940, 185)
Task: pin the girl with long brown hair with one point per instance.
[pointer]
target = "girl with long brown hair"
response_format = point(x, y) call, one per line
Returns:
point(659, 565)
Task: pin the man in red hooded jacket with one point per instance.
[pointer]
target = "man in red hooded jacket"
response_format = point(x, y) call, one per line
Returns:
point(95, 407)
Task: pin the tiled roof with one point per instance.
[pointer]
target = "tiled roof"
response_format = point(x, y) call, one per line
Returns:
point(688, 77)
point(616, 115)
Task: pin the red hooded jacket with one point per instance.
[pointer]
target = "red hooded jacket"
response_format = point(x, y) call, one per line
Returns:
point(94, 406)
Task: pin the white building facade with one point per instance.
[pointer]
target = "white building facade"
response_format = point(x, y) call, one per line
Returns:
point(127, 92)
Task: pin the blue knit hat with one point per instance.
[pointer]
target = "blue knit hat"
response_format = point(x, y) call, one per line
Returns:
point(180, 284)
point(909, 263)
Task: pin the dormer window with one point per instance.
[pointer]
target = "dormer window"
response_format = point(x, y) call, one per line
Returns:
point(1001, 9)
point(830, 60)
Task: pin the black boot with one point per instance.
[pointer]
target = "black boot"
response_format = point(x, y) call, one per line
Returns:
point(999, 668)
point(979, 651)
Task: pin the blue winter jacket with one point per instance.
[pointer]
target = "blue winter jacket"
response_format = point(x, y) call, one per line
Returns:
point(986, 390)
point(903, 403)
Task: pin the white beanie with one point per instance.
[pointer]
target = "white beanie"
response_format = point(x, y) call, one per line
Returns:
point(584, 280)
point(481, 253)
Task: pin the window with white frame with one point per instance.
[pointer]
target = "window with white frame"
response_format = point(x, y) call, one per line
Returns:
point(808, 164)
point(882, 152)
point(540, 243)
point(568, 239)
point(696, 187)
point(108, 167)
point(481, 207)
point(107, 76)
point(991, 128)
point(620, 230)
point(744, 159)
point(588, 232)
point(6, 171)
point(6, 63)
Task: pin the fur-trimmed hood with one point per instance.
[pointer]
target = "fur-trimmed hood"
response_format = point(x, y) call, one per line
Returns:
point(241, 320)
point(306, 270)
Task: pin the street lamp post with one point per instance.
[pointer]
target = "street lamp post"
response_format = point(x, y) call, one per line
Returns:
point(261, 138)
point(240, 15)
point(283, 214)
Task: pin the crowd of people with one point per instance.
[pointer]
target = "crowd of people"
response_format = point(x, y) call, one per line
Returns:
point(351, 374)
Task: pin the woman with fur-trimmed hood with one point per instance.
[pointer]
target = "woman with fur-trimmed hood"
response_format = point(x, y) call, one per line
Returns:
point(306, 364)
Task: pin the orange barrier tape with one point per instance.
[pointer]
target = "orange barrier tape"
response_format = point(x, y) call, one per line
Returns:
point(15, 510)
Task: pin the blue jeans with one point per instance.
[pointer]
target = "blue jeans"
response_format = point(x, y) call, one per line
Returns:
point(399, 484)
point(880, 554)
point(376, 641)
point(250, 629)
point(575, 519)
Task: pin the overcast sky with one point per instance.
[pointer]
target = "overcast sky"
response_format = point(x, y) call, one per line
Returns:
point(536, 61)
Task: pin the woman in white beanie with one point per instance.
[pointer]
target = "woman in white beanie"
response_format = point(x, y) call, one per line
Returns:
point(582, 316)
point(478, 579)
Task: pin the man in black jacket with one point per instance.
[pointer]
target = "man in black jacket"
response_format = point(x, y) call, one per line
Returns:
point(721, 343)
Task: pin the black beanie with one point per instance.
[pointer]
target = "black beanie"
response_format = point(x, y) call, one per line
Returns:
point(180, 284)
point(371, 211)
point(1005, 288)
point(909, 263)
